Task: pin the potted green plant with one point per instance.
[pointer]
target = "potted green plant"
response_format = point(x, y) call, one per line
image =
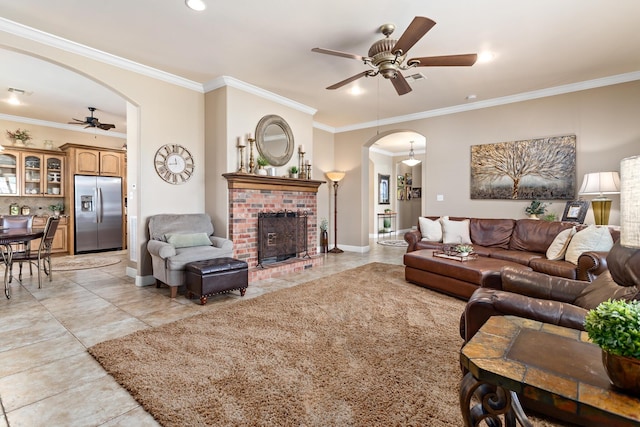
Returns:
point(386, 223)
point(550, 217)
point(463, 249)
point(20, 136)
point(293, 172)
point(57, 209)
point(614, 325)
point(536, 208)
point(262, 162)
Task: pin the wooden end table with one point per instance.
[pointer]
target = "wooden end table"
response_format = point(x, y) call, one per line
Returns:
point(555, 366)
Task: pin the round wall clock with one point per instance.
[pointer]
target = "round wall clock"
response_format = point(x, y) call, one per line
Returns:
point(174, 163)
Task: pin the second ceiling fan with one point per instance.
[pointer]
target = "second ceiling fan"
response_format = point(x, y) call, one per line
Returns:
point(387, 56)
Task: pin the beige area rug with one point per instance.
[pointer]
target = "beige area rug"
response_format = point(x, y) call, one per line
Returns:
point(358, 348)
point(81, 262)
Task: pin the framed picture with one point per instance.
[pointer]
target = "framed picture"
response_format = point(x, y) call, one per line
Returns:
point(575, 211)
point(383, 189)
point(400, 181)
point(416, 192)
point(400, 193)
point(408, 179)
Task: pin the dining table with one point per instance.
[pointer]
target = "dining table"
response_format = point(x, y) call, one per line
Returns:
point(10, 237)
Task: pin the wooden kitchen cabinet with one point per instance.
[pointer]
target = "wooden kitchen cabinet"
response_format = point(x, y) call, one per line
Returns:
point(60, 239)
point(94, 161)
point(32, 172)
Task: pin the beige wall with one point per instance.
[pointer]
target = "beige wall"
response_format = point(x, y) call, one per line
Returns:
point(603, 119)
point(168, 114)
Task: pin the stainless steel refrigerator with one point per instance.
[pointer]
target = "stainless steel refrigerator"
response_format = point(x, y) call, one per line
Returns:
point(98, 213)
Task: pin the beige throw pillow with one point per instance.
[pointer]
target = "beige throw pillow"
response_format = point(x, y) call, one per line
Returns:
point(455, 231)
point(559, 246)
point(592, 238)
point(431, 229)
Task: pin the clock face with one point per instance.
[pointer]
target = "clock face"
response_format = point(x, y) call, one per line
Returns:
point(174, 163)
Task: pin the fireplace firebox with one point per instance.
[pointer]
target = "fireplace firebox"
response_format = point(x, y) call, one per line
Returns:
point(281, 235)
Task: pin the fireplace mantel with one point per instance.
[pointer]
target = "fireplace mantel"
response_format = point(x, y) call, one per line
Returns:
point(277, 183)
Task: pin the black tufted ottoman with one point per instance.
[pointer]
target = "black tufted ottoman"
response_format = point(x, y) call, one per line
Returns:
point(216, 276)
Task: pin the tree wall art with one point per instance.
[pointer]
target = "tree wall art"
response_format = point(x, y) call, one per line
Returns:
point(543, 168)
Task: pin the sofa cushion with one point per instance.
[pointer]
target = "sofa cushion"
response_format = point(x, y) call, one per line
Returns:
point(455, 231)
point(188, 240)
point(602, 289)
point(491, 233)
point(535, 235)
point(521, 257)
point(431, 229)
point(559, 246)
point(592, 238)
point(184, 256)
point(554, 268)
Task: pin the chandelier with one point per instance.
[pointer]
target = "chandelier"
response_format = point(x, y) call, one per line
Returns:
point(411, 161)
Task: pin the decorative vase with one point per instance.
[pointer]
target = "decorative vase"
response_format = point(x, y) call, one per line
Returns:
point(324, 241)
point(533, 216)
point(293, 175)
point(623, 372)
point(463, 254)
point(262, 171)
point(56, 213)
point(18, 143)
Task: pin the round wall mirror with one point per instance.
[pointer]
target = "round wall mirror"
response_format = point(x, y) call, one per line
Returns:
point(274, 140)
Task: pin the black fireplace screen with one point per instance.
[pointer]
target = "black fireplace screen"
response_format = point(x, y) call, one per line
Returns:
point(281, 235)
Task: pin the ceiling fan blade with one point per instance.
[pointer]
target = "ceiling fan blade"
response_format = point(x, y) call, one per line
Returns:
point(349, 80)
point(106, 126)
point(401, 84)
point(77, 121)
point(444, 61)
point(418, 28)
point(338, 53)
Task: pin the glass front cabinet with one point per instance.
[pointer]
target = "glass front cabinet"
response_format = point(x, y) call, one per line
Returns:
point(42, 175)
point(9, 173)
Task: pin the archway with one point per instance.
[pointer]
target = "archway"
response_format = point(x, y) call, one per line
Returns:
point(382, 156)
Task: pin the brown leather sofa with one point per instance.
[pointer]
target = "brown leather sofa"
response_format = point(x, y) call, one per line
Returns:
point(553, 300)
point(522, 241)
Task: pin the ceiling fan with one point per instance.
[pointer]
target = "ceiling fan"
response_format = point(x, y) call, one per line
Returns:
point(387, 56)
point(92, 122)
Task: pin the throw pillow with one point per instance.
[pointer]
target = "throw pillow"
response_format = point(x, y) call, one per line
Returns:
point(431, 229)
point(592, 238)
point(559, 246)
point(455, 231)
point(188, 240)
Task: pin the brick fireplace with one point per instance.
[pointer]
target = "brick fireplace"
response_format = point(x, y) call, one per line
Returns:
point(251, 194)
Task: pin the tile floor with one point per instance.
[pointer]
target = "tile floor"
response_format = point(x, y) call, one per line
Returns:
point(47, 378)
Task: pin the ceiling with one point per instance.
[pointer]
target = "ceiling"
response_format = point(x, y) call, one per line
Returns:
point(536, 45)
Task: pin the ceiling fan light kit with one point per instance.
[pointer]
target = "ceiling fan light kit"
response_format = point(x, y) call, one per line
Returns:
point(387, 57)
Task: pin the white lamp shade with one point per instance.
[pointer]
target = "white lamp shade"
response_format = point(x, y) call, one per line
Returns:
point(335, 176)
point(600, 183)
point(630, 202)
point(411, 162)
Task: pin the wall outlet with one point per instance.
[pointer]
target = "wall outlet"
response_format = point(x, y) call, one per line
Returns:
point(439, 197)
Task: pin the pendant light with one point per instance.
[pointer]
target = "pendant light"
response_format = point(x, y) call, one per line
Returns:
point(411, 161)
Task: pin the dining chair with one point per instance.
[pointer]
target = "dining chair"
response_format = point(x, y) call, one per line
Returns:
point(43, 256)
point(17, 221)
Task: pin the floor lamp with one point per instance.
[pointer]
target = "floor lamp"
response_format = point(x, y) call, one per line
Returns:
point(335, 177)
point(601, 183)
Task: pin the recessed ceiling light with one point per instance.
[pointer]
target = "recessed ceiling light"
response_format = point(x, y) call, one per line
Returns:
point(355, 90)
point(197, 5)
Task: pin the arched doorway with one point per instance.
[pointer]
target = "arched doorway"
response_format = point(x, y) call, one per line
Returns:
point(385, 154)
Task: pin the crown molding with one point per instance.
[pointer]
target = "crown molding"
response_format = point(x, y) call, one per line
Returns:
point(222, 81)
point(36, 35)
point(525, 96)
point(73, 128)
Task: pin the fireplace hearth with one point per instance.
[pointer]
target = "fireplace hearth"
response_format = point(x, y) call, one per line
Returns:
point(282, 235)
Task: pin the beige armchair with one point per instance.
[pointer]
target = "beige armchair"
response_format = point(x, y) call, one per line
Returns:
point(178, 239)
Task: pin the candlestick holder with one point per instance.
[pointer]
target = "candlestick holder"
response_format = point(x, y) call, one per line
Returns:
point(301, 161)
point(242, 168)
point(308, 170)
point(252, 164)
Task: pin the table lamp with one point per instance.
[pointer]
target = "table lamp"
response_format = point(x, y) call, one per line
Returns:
point(600, 183)
point(335, 177)
point(630, 202)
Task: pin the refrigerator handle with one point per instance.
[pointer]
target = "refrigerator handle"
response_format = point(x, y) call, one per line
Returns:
point(99, 210)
